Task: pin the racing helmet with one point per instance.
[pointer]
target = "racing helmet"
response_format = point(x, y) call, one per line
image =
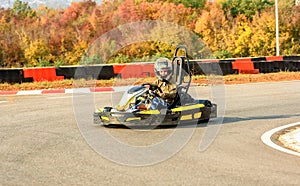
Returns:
point(165, 65)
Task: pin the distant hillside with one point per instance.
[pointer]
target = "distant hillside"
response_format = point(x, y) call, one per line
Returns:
point(48, 3)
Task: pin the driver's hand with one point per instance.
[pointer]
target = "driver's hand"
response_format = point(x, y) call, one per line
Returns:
point(162, 94)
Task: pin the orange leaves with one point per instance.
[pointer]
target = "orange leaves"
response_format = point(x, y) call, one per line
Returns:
point(129, 11)
point(210, 25)
point(27, 36)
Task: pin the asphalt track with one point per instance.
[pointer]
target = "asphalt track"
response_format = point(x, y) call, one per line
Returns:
point(41, 143)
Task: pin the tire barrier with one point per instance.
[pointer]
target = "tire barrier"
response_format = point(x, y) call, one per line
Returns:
point(13, 76)
point(269, 64)
point(212, 67)
point(86, 72)
point(41, 74)
point(244, 66)
point(131, 70)
point(278, 63)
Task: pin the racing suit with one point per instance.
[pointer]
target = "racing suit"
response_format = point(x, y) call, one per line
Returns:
point(168, 90)
point(166, 96)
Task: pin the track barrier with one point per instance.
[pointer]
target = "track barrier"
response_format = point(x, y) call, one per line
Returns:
point(41, 74)
point(131, 70)
point(269, 64)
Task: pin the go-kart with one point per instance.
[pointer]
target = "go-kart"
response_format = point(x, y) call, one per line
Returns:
point(136, 106)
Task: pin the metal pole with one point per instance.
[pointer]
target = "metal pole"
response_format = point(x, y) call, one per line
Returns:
point(277, 28)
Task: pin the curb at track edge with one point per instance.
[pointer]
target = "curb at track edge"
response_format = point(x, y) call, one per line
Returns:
point(266, 139)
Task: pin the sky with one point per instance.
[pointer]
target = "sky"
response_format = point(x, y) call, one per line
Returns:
point(49, 3)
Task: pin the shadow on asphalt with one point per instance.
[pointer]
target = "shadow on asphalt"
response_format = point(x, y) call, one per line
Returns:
point(226, 120)
point(182, 125)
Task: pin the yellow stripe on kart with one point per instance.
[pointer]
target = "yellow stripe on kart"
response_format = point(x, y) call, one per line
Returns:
point(133, 119)
point(197, 115)
point(186, 117)
point(149, 112)
point(190, 107)
point(100, 110)
point(105, 118)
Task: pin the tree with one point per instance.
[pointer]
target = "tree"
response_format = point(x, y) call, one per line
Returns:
point(22, 9)
point(213, 28)
point(12, 55)
point(245, 7)
point(289, 27)
point(231, 28)
point(187, 3)
point(38, 54)
point(242, 48)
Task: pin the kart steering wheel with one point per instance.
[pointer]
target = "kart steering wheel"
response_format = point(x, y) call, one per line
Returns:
point(153, 88)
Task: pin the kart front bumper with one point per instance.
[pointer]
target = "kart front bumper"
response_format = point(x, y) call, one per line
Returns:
point(154, 117)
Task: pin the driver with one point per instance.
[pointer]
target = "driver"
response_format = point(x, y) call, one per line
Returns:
point(166, 90)
point(163, 70)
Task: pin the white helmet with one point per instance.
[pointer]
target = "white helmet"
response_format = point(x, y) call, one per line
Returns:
point(163, 64)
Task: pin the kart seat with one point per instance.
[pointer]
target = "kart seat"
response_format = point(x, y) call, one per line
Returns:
point(180, 98)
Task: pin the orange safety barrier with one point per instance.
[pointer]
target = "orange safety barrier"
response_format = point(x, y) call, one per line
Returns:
point(244, 66)
point(274, 58)
point(8, 92)
point(42, 74)
point(134, 70)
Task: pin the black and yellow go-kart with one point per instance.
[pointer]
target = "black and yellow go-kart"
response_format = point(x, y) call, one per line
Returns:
point(183, 109)
point(131, 110)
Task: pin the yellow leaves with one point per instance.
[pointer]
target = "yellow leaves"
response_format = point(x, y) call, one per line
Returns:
point(243, 37)
point(243, 40)
point(263, 40)
point(36, 52)
point(74, 56)
point(293, 46)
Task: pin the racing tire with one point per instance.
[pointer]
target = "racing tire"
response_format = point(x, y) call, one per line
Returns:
point(202, 121)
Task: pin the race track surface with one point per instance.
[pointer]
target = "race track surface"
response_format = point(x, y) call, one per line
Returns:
point(41, 143)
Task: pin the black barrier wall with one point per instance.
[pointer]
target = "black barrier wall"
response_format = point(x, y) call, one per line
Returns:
point(13, 76)
point(86, 72)
point(260, 64)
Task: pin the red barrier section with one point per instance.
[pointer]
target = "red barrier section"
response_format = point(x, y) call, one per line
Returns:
point(118, 68)
point(210, 60)
point(101, 89)
point(42, 74)
point(54, 91)
point(274, 58)
point(244, 66)
point(8, 92)
point(134, 70)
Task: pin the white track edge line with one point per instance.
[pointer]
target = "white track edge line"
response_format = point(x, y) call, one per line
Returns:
point(266, 139)
point(29, 92)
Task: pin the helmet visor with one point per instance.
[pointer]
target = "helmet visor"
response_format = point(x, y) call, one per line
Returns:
point(163, 66)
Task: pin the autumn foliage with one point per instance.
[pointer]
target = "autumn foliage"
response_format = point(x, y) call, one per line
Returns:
point(63, 36)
